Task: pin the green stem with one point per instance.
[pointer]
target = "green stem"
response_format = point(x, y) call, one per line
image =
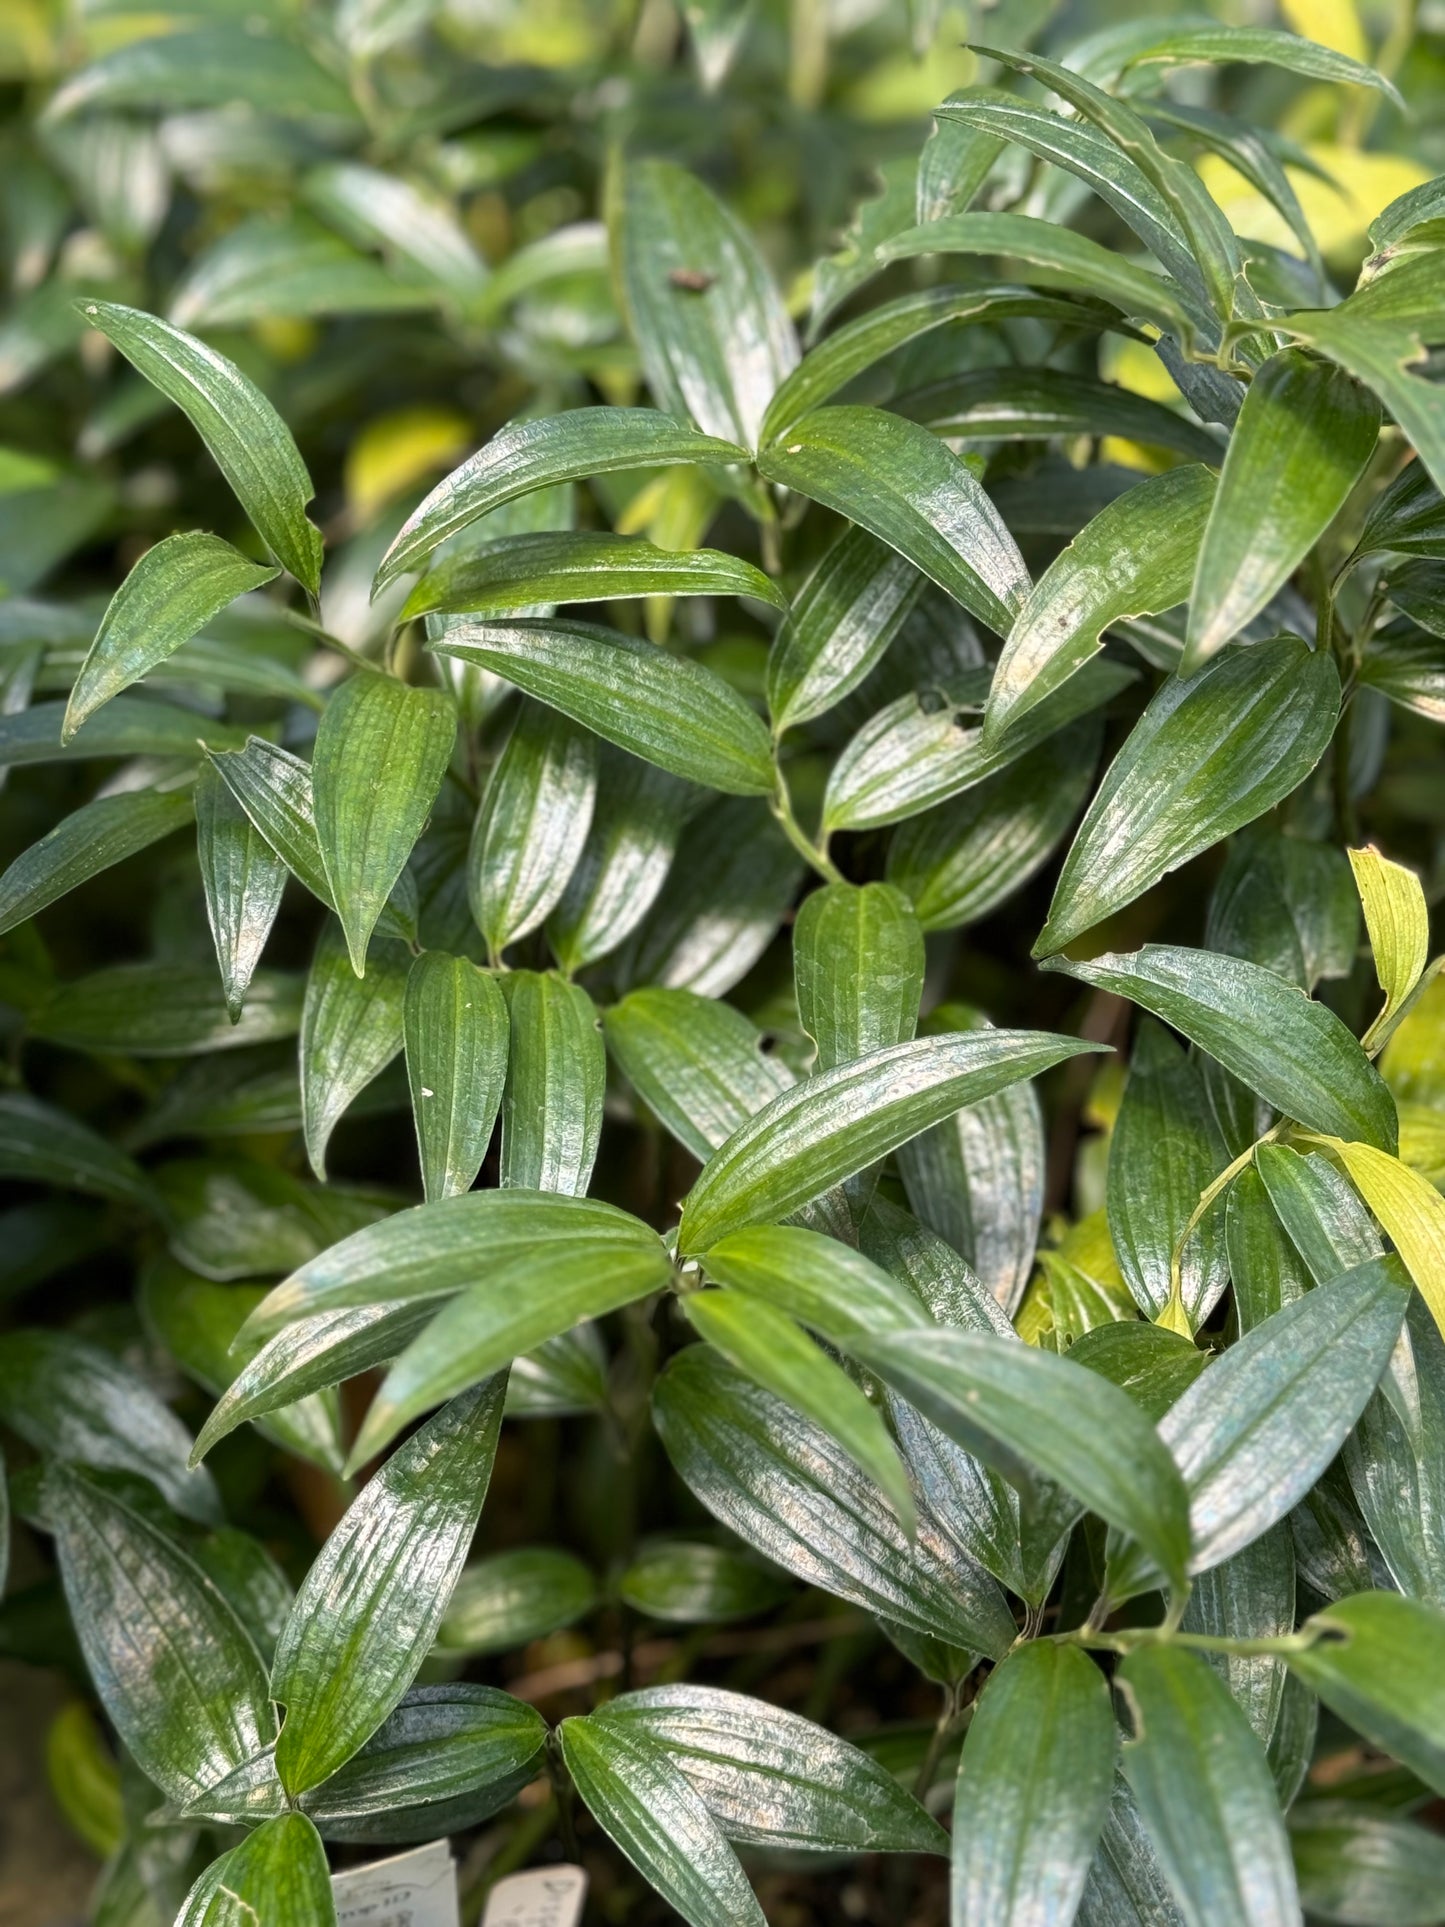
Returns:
point(813, 853)
point(1128, 1640)
point(1174, 1311)
point(938, 1739)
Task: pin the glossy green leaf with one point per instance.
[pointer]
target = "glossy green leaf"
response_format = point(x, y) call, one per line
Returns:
point(665, 708)
point(988, 405)
point(809, 1138)
point(1288, 904)
point(172, 1664)
point(1327, 1224)
point(531, 826)
point(697, 1063)
point(1394, 1461)
point(1264, 1268)
point(1368, 1868)
point(370, 1606)
point(280, 1868)
point(1206, 1795)
point(1135, 558)
point(1033, 1788)
point(636, 820)
point(126, 726)
point(1301, 443)
point(1247, 1597)
point(894, 479)
point(858, 965)
point(841, 621)
point(1126, 1884)
point(1183, 46)
point(821, 1282)
point(1410, 1209)
point(40, 1144)
point(237, 1217)
point(1295, 1054)
point(89, 840)
point(652, 1813)
point(1407, 518)
point(165, 1010)
point(510, 1598)
point(243, 879)
point(351, 1028)
point(1154, 1365)
point(771, 1779)
point(528, 455)
point(1208, 756)
point(1378, 1665)
point(556, 1083)
point(455, 1026)
point(250, 443)
point(687, 1582)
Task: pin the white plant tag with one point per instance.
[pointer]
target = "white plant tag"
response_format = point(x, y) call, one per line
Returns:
point(542, 1897)
point(415, 1889)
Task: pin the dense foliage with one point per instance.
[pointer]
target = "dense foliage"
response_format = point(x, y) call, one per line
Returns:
point(771, 895)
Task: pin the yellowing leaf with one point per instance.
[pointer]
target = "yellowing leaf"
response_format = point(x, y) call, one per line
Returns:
point(1411, 1210)
point(1339, 214)
point(398, 450)
point(1422, 1140)
point(1399, 925)
point(1413, 1062)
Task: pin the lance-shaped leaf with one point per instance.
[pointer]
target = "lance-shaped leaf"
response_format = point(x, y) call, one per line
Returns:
point(647, 1807)
point(528, 455)
point(818, 1280)
point(1250, 1596)
point(165, 1009)
point(1407, 519)
point(858, 965)
point(436, 1249)
point(211, 65)
point(1206, 1793)
point(1302, 440)
point(173, 591)
point(685, 1582)
point(1126, 1884)
point(1135, 558)
point(1379, 1662)
point(1328, 1226)
point(382, 750)
point(1292, 1052)
point(455, 1027)
point(1398, 922)
point(581, 565)
point(1354, 1863)
point(895, 479)
point(663, 707)
point(71, 1400)
point(41, 1144)
point(809, 1138)
point(351, 1028)
point(243, 879)
point(1410, 1209)
point(509, 1598)
point(531, 826)
point(782, 1485)
point(636, 819)
point(87, 841)
point(1033, 1788)
point(697, 1063)
point(1056, 258)
point(710, 326)
point(1265, 46)
point(251, 444)
point(771, 1779)
point(767, 1345)
point(1286, 903)
point(556, 1084)
point(842, 620)
point(127, 726)
point(173, 1666)
point(1022, 1410)
point(369, 1608)
point(523, 1303)
point(1207, 756)
point(1264, 1268)
point(1039, 404)
point(277, 1874)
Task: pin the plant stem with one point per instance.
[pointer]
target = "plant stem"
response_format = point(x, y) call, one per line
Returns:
point(562, 1787)
point(1135, 1636)
point(813, 853)
point(938, 1739)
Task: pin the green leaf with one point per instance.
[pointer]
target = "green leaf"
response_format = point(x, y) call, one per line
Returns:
point(1207, 756)
point(1394, 1460)
point(1287, 904)
point(1019, 1409)
point(1356, 1864)
point(369, 1608)
point(236, 1217)
point(698, 1064)
point(1328, 1226)
point(71, 1400)
point(989, 405)
point(556, 1083)
point(960, 861)
point(782, 1485)
point(1165, 1150)
point(351, 1028)
point(821, 1282)
point(171, 593)
point(1056, 258)
point(1154, 1365)
point(243, 880)
point(1293, 1053)
point(172, 1664)
point(809, 1138)
point(1135, 558)
point(280, 1868)
point(685, 1583)
point(896, 480)
point(1183, 46)
point(636, 819)
point(1398, 923)
point(1205, 1792)
point(89, 840)
point(42, 1145)
point(510, 1598)
point(1248, 1597)
point(382, 750)
point(924, 748)
point(841, 622)
point(711, 330)
point(127, 726)
point(858, 964)
point(525, 1301)
point(1408, 518)
point(436, 1249)
point(641, 1800)
point(1411, 1210)
point(771, 1779)
point(1264, 1267)
point(1303, 438)
point(455, 1026)
point(250, 443)
point(581, 565)
point(165, 1010)
point(531, 826)
point(1126, 1885)
point(1033, 1788)
point(540, 453)
point(1378, 1664)
point(665, 708)
point(757, 1338)
point(379, 208)
point(213, 64)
